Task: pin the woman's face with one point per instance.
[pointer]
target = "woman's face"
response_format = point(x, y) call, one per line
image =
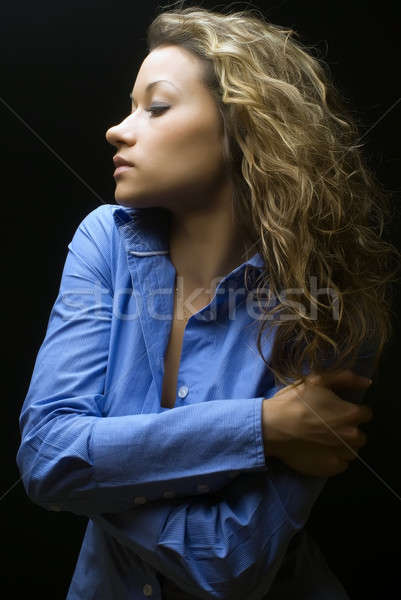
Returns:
point(177, 151)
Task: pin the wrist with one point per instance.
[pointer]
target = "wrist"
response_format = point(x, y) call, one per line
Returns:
point(273, 435)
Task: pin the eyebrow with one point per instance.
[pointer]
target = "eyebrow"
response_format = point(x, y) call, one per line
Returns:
point(152, 84)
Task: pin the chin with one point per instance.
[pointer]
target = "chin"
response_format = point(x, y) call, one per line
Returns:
point(130, 202)
point(133, 199)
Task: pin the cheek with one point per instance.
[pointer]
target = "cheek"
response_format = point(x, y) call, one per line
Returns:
point(193, 148)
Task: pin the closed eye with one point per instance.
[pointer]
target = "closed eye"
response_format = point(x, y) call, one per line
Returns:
point(157, 109)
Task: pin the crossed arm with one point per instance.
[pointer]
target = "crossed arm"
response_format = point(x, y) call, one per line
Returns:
point(228, 542)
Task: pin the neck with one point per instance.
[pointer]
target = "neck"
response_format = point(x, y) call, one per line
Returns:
point(207, 244)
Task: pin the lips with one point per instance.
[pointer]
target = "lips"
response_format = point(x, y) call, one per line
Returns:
point(122, 169)
point(119, 161)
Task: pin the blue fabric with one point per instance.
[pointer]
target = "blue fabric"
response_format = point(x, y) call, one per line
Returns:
point(184, 492)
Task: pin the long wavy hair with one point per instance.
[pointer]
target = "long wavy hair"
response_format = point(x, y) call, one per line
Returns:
point(304, 194)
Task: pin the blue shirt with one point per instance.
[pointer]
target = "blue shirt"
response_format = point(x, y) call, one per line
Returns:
point(185, 492)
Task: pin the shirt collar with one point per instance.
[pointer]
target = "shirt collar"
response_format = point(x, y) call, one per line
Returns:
point(146, 233)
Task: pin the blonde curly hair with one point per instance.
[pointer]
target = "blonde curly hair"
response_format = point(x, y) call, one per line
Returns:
point(303, 191)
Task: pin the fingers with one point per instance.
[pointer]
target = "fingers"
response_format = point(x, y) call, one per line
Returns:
point(354, 437)
point(359, 439)
point(344, 379)
point(347, 453)
point(359, 413)
point(351, 436)
point(365, 413)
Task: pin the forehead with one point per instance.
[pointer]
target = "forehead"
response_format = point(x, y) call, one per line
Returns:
point(173, 63)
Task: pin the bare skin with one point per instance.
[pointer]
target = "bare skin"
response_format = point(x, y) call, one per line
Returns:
point(311, 428)
point(178, 164)
point(178, 158)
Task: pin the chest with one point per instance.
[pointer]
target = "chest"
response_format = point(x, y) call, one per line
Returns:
point(172, 363)
point(172, 355)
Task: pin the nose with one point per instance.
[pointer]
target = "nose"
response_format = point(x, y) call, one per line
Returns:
point(120, 134)
point(112, 135)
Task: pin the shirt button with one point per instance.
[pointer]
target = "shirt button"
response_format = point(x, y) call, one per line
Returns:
point(147, 589)
point(169, 494)
point(203, 487)
point(55, 507)
point(183, 391)
point(140, 500)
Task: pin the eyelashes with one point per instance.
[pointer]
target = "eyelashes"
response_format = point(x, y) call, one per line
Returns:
point(157, 109)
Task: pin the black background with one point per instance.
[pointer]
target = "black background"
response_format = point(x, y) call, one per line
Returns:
point(67, 70)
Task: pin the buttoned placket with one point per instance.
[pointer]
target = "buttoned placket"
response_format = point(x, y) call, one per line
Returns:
point(145, 265)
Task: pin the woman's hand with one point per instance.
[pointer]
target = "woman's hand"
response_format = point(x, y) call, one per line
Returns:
point(310, 428)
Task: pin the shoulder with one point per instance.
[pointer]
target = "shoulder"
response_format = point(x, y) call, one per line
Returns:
point(101, 223)
point(104, 216)
point(95, 241)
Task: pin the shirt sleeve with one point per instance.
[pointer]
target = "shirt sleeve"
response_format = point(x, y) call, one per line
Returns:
point(227, 545)
point(230, 544)
point(70, 454)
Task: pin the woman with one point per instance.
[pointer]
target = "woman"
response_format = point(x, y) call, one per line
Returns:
point(237, 177)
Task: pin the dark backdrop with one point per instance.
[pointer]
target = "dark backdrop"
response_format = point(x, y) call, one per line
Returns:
point(67, 69)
